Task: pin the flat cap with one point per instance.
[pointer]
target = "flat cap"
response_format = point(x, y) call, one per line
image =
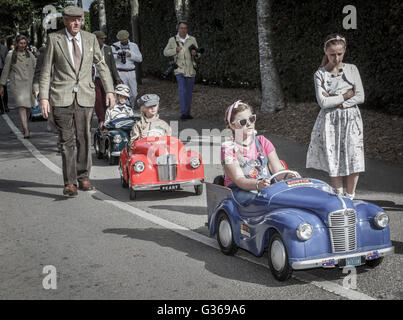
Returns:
point(100, 34)
point(148, 100)
point(123, 90)
point(72, 11)
point(123, 35)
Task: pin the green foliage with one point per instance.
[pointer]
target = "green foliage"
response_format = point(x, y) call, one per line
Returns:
point(299, 30)
point(227, 30)
point(117, 18)
point(157, 23)
point(94, 18)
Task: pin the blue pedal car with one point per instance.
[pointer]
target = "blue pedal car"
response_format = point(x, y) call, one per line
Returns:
point(109, 142)
point(302, 223)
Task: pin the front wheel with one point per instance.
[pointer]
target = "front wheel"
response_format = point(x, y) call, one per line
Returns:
point(278, 258)
point(132, 193)
point(225, 236)
point(97, 148)
point(199, 189)
point(122, 179)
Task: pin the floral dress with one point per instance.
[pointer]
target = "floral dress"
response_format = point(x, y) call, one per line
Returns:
point(337, 140)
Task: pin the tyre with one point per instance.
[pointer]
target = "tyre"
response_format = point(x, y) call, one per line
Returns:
point(374, 263)
point(109, 156)
point(122, 179)
point(225, 236)
point(278, 258)
point(199, 189)
point(97, 148)
point(132, 193)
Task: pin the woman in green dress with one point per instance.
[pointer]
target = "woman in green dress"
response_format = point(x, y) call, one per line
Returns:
point(19, 68)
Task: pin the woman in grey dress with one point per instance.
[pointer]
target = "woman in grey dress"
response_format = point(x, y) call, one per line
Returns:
point(337, 141)
point(19, 67)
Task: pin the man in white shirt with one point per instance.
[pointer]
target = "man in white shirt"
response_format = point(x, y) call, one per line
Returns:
point(126, 54)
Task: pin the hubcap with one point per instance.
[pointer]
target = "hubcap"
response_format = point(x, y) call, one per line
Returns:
point(225, 233)
point(277, 255)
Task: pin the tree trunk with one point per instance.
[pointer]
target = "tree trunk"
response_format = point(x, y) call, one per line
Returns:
point(182, 10)
point(102, 15)
point(272, 93)
point(134, 19)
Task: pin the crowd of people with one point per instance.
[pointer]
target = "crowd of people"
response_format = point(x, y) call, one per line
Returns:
point(78, 72)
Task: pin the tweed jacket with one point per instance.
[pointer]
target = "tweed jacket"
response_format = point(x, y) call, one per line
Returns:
point(110, 62)
point(351, 75)
point(60, 88)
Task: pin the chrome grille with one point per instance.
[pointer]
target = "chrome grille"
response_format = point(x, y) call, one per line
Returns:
point(167, 167)
point(342, 228)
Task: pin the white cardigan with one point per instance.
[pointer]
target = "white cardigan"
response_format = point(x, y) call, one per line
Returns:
point(351, 75)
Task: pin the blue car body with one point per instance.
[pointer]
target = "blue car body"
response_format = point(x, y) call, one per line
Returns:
point(341, 228)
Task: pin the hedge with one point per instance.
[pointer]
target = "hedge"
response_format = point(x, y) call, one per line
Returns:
point(227, 29)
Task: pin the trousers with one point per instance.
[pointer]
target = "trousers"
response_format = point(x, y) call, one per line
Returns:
point(185, 89)
point(74, 126)
point(129, 79)
point(100, 103)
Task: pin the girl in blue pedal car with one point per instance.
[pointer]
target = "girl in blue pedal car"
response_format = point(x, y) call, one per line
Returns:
point(246, 158)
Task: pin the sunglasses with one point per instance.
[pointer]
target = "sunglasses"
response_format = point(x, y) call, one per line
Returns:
point(243, 122)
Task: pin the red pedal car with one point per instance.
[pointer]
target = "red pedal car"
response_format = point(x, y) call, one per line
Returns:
point(160, 163)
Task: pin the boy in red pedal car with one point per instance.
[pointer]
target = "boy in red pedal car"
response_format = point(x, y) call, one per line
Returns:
point(150, 124)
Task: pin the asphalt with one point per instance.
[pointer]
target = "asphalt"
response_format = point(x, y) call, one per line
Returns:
point(101, 251)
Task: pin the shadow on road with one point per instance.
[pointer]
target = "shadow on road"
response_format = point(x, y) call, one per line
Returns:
point(386, 205)
point(224, 266)
point(184, 209)
point(25, 188)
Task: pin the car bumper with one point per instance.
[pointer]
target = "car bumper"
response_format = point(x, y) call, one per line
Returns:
point(335, 259)
point(159, 185)
point(116, 153)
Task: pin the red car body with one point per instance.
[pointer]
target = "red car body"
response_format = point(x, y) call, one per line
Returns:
point(167, 166)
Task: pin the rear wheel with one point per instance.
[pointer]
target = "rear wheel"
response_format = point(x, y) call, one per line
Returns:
point(374, 263)
point(225, 236)
point(199, 189)
point(97, 148)
point(122, 179)
point(132, 193)
point(278, 258)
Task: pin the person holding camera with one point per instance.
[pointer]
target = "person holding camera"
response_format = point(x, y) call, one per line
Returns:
point(184, 49)
point(126, 54)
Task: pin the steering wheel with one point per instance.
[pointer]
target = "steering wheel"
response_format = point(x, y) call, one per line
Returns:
point(274, 176)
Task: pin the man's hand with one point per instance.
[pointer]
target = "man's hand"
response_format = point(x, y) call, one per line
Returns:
point(128, 54)
point(179, 48)
point(110, 100)
point(45, 108)
point(36, 94)
point(193, 52)
point(1, 90)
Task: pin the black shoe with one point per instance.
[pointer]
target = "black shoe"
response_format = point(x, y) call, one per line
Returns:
point(183, 117)
point(7, 109)
point(188, 116)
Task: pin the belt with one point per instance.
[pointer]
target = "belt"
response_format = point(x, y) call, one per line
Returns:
point(125, 70)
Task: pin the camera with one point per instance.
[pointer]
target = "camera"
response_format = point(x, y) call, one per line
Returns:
point(171, 67)
point(121, 52)
point(198, 50)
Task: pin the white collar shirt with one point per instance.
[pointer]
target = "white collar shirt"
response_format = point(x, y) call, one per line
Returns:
point(181, 39)
point(70, 44)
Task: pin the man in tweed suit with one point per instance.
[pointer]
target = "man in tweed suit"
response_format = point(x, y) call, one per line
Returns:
point(71, 93)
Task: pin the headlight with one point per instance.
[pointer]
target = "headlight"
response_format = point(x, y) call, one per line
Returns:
point(304, 231)
point(195, 162)
point(117, 138)
point(381, 220)
point(139, 166)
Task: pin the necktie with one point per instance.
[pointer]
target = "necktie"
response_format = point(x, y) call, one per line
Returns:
point(76, 56)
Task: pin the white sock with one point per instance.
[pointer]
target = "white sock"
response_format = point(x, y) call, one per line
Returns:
point(350, 196)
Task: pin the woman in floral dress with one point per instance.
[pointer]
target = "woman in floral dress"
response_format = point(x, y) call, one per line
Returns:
point(337, 141)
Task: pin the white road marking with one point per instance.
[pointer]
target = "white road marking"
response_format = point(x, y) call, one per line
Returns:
point(300, 275)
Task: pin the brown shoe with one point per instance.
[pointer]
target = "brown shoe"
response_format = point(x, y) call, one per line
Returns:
point(70, 190)
point(85, 185)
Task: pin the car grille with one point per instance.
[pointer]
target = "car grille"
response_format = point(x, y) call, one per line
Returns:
point(167, 167)
point(342, 228)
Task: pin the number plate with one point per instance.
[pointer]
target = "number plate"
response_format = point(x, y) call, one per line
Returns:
point(352, 262)
point(170, 187)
